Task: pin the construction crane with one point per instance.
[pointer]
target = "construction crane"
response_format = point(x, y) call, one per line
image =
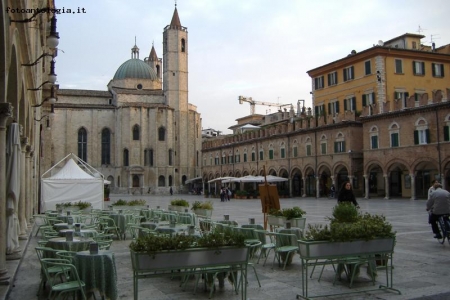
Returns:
point(253, 103)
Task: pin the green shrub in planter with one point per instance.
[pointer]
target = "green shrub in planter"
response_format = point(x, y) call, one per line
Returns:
point(154, 243)
point(347, 224)
point(120, 202)
point(202, 205)
point(140, 202)
point(179, 202)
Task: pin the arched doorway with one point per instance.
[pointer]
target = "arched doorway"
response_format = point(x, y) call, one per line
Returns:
point(136, 181)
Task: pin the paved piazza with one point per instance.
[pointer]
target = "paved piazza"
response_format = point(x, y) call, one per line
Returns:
point(421, 264)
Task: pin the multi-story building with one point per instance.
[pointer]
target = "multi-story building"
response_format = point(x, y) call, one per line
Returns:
point(381, 120)
point(142, 134)
point(28, 39)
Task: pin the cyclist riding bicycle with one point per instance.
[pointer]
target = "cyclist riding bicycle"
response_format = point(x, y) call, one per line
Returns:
point(438, 205)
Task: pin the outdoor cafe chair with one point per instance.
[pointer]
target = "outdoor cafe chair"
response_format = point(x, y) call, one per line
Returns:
point(284, 247)
point(108, 225)
point(72, 282)
point(266, 238)
point(47, 252)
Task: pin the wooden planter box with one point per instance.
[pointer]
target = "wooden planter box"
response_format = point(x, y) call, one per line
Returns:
point(314, 253)
point(128, 207)
point(206, 213)
point(326, 249)
point(178, 208)
point(189, 262)
point(298, 222)
point(276, 221)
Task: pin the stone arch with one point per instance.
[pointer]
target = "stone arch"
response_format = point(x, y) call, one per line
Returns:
point(425, 170)
point(398, 177)
point(296, 182)
point(324, 177)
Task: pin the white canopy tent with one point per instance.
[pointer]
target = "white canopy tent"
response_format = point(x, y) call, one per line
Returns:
point(71, 183)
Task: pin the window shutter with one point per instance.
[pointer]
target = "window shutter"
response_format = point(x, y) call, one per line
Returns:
point(364, 101)
point(396, 95)
point(316, 110)
point(354, 103)
point(414, 67)
point(427, 134)
point(373, 96)
point(345, 105)
point(337, 106)
point(352, 71)
point(442, 70)
point(406, 95)
point(433, 72)
point(336, 75)
point(315, 83)
point(324, 111)
point(343, 146)
point(446, 134)
point(416, 137)
point(345, 75)
point(416, 97)
point(329, 79)
point(329, 107)
point(423, 68)
point(335, 147)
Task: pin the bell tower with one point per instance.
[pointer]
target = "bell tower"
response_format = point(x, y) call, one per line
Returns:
point(175, 64)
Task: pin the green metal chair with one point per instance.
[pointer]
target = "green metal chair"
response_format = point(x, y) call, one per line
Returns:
point(267, 244)
point(72, 283)
point(284, 248)
point(108, 225)
point(46, 252)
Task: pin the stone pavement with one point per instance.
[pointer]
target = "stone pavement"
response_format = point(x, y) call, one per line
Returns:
point(421, 263)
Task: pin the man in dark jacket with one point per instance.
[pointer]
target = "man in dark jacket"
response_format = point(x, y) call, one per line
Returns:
point(438, 205)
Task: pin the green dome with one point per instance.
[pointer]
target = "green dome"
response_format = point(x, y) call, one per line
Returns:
point(135, 68)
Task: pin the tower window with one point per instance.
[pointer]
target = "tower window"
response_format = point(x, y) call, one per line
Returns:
point(183, 45)
point(139, 86)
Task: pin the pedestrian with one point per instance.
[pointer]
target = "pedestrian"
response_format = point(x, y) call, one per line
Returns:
point(171, 191)
point(438, 205)
point(432, 188)
point(332, 191)
point(228, 194)
point(346, 194)
point(222, 195)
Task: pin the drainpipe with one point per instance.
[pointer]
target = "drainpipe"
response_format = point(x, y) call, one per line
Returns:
point(439, 149)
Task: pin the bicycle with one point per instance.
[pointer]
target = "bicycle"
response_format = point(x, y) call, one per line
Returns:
point(444, 228)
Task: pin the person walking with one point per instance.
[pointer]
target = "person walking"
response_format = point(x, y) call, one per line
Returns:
point(346, 194)
point(332, 191)
point(438, 205)
point(171, 191)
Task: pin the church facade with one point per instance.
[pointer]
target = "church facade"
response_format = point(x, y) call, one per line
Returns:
point(142, 134)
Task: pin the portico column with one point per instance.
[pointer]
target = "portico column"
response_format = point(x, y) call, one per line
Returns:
point(21, 206)
point(5, 113)
point(386, 186)
point(290, 187)
point(317, 187)
point(366, 186)
point(29, 184)
point(303, 186)
point(413, 186)
point(443, 182)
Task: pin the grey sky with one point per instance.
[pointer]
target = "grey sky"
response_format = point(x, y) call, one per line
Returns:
point(255, 48)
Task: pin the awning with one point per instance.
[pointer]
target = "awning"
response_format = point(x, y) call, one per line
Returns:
point(193, 179)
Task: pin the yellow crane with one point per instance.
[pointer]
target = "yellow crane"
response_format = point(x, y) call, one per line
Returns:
point(253, 103)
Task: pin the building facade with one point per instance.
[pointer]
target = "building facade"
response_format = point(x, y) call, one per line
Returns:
point(27, 73)
point(142, 134)
point(380, 120)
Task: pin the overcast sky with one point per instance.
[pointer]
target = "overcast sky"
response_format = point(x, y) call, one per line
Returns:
point(255, 48)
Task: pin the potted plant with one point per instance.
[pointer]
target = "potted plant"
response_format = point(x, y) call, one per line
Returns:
point(203, 209)
point(349, 235)
point(129, 205)
point(349, 232)
point(106, 193)
point(178, 205)
point(156, 256)
point(295, 216)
